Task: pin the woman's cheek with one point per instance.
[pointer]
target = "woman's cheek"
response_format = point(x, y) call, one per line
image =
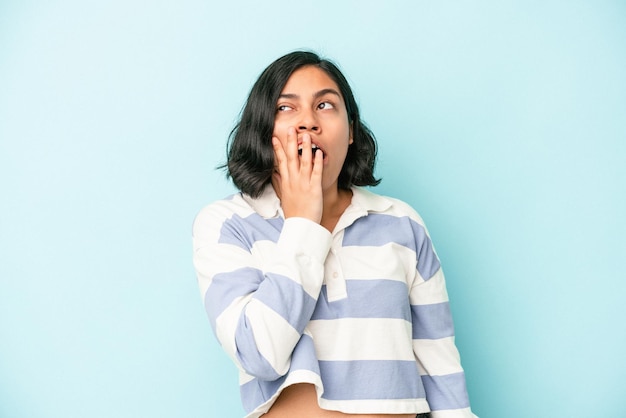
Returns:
point(280, 132)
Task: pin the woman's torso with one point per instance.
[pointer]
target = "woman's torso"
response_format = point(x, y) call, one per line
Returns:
point(300, 401)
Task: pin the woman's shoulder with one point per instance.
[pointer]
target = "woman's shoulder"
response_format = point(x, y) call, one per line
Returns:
point(237, 207)
point(380, 203)
point(215, 213)
point(226, 205)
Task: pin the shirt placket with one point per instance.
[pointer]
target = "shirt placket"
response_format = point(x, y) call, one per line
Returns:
point(333, 273)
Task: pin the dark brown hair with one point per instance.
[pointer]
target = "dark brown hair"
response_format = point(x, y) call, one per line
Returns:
point(250, 156)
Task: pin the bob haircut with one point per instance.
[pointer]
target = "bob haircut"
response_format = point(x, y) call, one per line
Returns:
point(250, 155)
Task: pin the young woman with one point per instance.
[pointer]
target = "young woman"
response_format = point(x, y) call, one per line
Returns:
point(330, 299)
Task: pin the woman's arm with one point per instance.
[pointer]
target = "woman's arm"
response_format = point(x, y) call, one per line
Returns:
point(433, 335)
point(258, 308)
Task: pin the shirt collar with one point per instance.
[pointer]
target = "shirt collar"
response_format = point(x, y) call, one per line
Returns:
point(369, 201)
point(364, 201)
point(267, 204)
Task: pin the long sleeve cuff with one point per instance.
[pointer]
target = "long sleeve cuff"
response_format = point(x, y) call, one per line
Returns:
point(302, 236)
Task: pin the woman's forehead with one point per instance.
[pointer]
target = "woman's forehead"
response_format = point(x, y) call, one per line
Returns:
point(309, 79)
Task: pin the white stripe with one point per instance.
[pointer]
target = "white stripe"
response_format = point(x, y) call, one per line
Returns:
point(366, 406)
point(401, 208)
point(263, 250)
point(226, 325)
point(244, 377)
point(437, 357)
point(390, 261)
point(211, 260)
point(334, 278)
point(237, 205)
point(301, 269)
point(361, 339)
point(431, 291)
point(297, 376)
point(275, 338)
point(208, 224)
point(453, 413)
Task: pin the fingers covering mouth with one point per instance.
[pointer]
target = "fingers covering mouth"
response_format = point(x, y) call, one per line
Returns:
point(314, 149)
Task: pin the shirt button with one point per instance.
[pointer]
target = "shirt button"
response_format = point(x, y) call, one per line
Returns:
point(335, 275)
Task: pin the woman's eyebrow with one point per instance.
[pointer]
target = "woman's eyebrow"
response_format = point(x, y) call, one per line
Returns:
point(326, 91)
point(315, 96)
point(288, 96)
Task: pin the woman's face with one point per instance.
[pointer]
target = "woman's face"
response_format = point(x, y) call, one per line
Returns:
point(311, 102)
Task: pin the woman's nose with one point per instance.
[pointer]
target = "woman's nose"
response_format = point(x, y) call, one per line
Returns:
point(308, 122)
point(304, 128)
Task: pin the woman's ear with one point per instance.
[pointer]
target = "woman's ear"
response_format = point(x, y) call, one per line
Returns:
point(351, 130)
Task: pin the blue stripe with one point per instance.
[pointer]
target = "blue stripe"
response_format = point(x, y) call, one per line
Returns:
point(284, 296)
point(288, 299)
point(226, 287)
point(367, 299)
point(446, 392)
point(257, 391)
point(427, 261)
point(432, 322)
point(377, 230)
point(352, 380)
point(249, 356)
point(304, 357)
point(244, 232)
point(279, 293)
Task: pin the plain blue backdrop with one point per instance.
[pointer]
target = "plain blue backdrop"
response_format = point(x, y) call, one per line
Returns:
point(503, 123)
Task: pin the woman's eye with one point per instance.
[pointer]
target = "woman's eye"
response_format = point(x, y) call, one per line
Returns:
point(282, 108)
point(325, 105)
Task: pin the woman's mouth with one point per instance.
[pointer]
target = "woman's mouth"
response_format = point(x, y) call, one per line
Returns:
point(314, 149)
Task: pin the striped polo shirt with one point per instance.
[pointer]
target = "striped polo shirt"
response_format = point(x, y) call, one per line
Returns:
point(361, 313)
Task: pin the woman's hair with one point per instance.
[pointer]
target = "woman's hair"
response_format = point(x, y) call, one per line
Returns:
point(250, 155)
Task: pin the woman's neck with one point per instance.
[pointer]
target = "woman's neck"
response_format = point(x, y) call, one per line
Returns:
point(335, 203)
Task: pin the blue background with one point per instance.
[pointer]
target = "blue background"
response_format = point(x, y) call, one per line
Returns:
point(503, 123)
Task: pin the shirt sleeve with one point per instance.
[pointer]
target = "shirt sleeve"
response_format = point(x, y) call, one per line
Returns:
point(259, 295)
point(433, 335)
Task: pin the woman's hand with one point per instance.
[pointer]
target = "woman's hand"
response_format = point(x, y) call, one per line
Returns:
point(298, 179)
